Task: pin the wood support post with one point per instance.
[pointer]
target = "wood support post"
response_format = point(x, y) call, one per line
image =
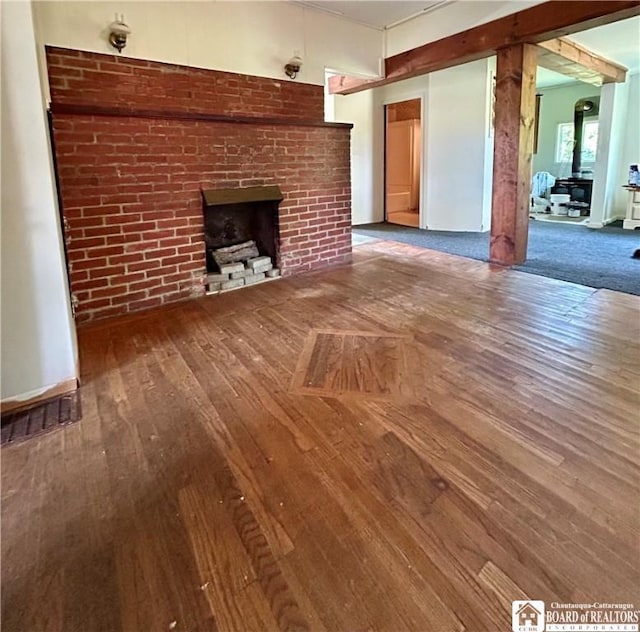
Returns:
point(514, 126)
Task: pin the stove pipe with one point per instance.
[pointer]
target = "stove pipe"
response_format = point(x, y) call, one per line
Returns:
point(584, 107)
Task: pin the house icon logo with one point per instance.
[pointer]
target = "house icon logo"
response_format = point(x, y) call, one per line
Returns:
point(527, 616)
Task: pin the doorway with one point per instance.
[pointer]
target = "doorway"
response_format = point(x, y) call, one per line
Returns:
point(403, 144)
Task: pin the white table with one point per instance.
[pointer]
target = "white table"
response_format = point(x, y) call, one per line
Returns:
point(632, 219)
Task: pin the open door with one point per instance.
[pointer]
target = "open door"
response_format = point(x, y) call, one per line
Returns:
point(402, 162)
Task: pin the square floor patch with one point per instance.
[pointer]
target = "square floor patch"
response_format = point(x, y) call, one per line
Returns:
point(371, 364)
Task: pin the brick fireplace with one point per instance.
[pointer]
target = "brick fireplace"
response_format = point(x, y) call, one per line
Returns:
point(137, 142)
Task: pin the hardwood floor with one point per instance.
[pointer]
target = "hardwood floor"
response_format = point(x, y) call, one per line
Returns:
point(408, 443)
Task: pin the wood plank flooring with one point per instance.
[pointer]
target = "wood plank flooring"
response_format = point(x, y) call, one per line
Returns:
point(407, 443)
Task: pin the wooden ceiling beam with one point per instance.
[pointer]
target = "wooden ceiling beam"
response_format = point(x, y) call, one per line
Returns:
point(568, 58)
point(344, 84)
point(537, 24)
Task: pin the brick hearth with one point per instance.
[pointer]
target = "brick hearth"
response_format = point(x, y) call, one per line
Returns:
point(136, 141)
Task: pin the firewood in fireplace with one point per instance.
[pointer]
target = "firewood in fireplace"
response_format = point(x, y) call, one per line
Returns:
point(232, 254)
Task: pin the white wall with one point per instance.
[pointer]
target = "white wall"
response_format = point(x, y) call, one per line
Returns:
point(457, 147)
point(458, 135)
point(38, 339)
point(453, 18)
point(488, 146)
point(556, 106)
point(255, 38)
point(612, 130)
point(630, 153)
point(418, 87)
point(360, 110)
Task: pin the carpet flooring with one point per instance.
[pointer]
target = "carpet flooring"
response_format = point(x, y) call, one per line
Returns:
point(595, 258)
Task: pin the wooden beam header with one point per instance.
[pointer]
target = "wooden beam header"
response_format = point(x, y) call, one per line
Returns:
point(537, 24)
point(568, 58)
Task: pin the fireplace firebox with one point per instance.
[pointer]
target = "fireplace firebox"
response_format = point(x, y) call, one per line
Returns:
point(236, 216)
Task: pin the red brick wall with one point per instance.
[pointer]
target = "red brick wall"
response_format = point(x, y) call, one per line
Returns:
point(83, 78)
point(130, 185)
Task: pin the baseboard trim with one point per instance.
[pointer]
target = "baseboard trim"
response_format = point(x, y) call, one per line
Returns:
point(57, 390)
point(602, 224)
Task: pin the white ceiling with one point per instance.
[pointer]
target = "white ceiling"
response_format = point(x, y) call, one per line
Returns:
point(548, 78)
point(619, 42)
point(379, 14)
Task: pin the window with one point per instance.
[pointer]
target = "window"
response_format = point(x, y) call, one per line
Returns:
point(564, 142)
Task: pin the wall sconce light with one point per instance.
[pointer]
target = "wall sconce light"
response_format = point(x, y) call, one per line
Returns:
point(118, 32)
point(292, 67)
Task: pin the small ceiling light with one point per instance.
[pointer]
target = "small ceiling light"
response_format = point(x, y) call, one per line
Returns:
point(118, 32)
point(292, 67)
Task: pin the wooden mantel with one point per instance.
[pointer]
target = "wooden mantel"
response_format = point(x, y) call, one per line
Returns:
point(537, 24)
